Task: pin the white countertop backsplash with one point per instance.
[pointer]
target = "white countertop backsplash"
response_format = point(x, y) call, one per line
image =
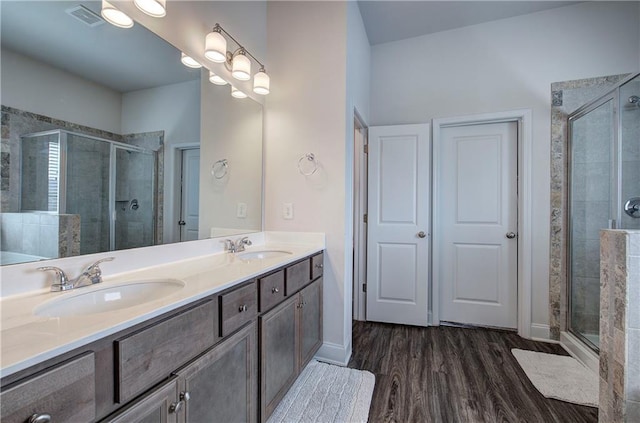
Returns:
point(204, 267)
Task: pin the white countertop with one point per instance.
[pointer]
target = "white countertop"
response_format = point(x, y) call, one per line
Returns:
point(27, 339)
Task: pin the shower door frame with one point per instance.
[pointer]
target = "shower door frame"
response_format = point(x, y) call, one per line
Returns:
point(615, 188)
point(62, 176)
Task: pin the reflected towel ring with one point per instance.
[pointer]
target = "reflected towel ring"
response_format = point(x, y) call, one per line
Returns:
point(311, 164)
point(219, 169)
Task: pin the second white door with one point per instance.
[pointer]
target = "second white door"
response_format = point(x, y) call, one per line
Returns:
point(477, 209)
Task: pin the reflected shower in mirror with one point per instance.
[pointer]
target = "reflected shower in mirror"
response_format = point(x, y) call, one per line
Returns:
point(101, 138)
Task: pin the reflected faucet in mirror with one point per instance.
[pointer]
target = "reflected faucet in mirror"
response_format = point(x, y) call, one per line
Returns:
point(91, 275)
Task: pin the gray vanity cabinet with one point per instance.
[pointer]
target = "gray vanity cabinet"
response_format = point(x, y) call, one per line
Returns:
point(221, 386)
point(64, 393)
point(310, 322)
point(278, 354)
point(158, 406)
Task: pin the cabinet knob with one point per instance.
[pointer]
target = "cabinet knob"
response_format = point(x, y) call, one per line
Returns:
point(40, 418)
point(176, 407)
point(242, 308)
point(319, 265)
point(274, 290)
point(185, 396)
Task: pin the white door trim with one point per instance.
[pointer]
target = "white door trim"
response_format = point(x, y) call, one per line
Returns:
point(359, 226)
point(525, 247)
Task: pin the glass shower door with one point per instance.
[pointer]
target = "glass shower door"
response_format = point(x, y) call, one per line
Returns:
point(591, 208)
point(134, 201)
point(87, 192)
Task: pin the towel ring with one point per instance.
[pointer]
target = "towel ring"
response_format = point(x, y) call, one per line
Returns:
point(220, 168)
point(313, 167)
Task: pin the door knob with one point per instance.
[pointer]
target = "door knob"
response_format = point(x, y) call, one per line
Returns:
point(421, 234)
point(511, 235)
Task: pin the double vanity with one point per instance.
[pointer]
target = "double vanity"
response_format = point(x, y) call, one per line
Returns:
point(218, 338)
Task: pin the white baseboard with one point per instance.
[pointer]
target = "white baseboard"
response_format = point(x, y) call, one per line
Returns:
point(540, 332)
point(579, 351)
point(334, 354)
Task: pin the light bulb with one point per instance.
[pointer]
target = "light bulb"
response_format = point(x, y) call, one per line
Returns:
point(236, 93)
point(114, 16)
point(216, 79)
point(241, 68)
point(155, 8)
point(261, 83)
point(189, 61)
point(215, 47)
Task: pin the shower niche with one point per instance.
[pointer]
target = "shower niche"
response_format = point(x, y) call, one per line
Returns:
point(603, 169)
point(103, 191)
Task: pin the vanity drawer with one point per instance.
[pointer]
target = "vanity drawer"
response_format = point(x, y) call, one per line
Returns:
point(238, 307)
point(271, 290)
point(66, 393)
point(317, 266)
point(151, 354)
point(297, 276)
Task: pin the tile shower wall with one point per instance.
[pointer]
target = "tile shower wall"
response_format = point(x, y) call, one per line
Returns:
point(630, 117)
point(16, 123)
point(565, 97)
point(40, 234)
point(620, 327)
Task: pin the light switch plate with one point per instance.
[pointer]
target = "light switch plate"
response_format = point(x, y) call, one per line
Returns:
point(287, 210)
point(242, 210)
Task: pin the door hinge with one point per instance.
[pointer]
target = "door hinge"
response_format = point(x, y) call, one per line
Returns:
point(364, 287)
point(365, 218)
point(366, 149)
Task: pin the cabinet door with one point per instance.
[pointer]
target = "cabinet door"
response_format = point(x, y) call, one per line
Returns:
point(310, 325)
point(66, 393)
point(159, 406)
point(221, 386)
point(278, 354)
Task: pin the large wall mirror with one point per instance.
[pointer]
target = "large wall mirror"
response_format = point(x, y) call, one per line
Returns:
point(109, 142)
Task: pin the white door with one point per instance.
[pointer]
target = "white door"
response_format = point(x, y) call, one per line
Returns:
point(398, 224)
point(477, 206)
point(190, 194)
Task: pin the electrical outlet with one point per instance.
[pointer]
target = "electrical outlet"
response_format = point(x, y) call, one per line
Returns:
point(242, 210)
point(287, 210)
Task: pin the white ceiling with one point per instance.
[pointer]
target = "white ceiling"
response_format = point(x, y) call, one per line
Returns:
point(387, 21)
point(122, 59)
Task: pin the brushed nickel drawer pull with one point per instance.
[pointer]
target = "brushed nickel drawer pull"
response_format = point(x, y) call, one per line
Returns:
point(176, 407)
point(274, 290)
point(319, 265)
point(242, 308)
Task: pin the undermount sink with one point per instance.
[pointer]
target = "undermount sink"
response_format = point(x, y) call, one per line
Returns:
point(102, 299)
point(262, 254)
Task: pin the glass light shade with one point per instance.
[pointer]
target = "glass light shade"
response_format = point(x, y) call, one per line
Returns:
point(215, 47)
point(189, 61)
point(114, 16)
point(155, 8)
point(216, 79)
point(237, 93)
point(241, 68)
point(261, 83)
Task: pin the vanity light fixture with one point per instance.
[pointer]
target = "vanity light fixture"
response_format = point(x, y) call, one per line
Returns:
point(238, 62)
point(216, 79)
point(154, 8)
point(189, 61)
point(115, 16)
point(236, 93)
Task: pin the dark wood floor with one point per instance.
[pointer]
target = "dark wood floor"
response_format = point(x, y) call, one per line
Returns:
point(446, 374)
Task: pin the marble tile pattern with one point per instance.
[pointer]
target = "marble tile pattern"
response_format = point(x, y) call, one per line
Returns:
point(565, 98)
point(619, 326)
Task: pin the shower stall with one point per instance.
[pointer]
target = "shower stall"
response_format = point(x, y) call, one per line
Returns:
point(604, 192)
point(109, 185)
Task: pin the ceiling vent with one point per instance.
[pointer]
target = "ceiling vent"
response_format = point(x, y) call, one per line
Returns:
point(85, 16)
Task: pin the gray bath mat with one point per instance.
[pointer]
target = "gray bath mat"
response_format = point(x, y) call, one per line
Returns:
point(325, 393)
point(559, 377)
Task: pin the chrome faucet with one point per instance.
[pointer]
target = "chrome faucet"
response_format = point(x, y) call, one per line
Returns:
point(237, 246)
point(91, 275)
